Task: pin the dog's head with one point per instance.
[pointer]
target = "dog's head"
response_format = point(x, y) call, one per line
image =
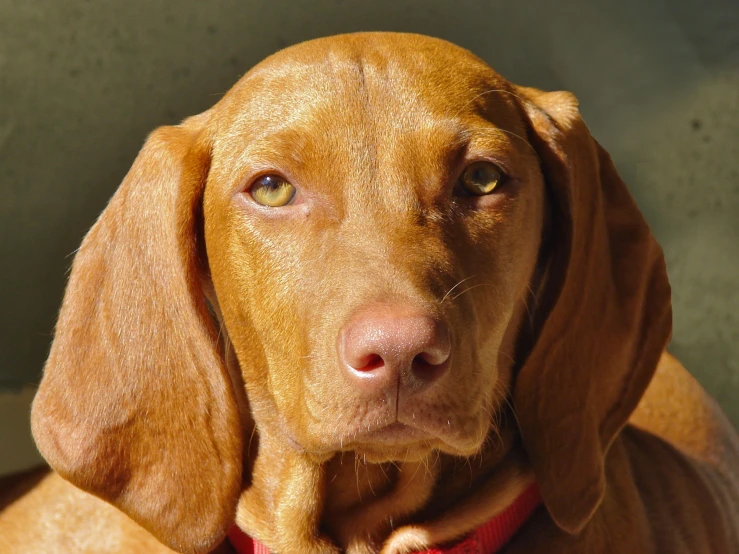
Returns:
point(395, 242)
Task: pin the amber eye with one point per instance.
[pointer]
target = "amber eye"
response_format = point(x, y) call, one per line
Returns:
point(272, 191)
point(481, 178)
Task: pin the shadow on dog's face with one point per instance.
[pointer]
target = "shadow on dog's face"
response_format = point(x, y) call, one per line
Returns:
point(372, 225)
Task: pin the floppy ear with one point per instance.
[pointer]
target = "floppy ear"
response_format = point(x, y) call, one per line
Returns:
point(135, 405)
point(608, 314)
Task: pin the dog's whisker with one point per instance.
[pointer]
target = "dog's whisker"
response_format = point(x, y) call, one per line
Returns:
point(483, 93)
point(465, 138)
point(369, 483)
point(454, 287)
point(384, 473)
point(468, 289)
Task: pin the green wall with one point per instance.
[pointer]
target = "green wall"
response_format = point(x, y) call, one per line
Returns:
point(83, 82)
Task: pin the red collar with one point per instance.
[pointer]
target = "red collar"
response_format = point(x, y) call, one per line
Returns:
point(487, 539)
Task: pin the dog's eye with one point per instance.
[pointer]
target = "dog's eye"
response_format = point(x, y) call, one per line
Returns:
point(481, 178)
point(272, 191)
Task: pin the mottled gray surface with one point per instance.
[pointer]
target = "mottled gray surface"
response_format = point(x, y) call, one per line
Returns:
point(82, 83)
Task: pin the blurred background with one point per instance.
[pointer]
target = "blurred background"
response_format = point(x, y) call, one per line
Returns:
point(82, 83)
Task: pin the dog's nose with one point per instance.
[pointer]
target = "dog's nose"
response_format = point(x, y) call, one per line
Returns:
point(388, 346)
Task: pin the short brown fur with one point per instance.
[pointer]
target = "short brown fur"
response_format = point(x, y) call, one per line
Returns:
point(193, 379)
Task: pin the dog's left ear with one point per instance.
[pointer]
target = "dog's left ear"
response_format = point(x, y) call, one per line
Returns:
point(136, 405)
point(607, 307)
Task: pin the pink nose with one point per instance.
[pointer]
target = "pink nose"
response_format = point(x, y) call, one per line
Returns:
point(387, 346)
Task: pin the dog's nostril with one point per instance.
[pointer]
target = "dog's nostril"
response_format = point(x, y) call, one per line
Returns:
point(420, 365)
point(369, 363)
point(427, 366)
point(437, 355)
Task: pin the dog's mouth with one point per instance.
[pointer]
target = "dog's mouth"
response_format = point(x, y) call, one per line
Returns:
point(394, 434)
point(396, 441)
point(415, 439)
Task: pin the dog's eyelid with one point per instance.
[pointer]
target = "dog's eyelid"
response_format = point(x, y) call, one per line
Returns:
point(246, 173)
point(469, 151)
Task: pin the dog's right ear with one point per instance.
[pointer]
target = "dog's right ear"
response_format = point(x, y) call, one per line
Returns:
point(608, 314)
point(135, 405)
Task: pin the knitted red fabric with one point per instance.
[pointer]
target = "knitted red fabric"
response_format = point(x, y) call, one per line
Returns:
point(487, 539)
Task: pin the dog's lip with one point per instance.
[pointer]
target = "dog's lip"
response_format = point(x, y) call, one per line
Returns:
point(392, 435)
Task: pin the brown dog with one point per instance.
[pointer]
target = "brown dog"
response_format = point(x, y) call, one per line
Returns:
point(361, 305)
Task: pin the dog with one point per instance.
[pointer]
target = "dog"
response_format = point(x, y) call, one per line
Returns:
point(376, 299)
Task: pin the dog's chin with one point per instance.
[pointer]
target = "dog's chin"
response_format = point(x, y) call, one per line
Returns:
point(393, 443)
point(399, 442)
point(397, 438)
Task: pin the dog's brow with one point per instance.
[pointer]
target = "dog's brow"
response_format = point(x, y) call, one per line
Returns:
point(454, 127)
point(455, 133)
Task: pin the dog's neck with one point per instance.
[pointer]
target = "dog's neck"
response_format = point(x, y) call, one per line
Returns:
point(298, 504)
point(367, 503)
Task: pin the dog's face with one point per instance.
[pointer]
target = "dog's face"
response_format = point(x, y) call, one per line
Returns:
point(372, 244)
point(367, 215)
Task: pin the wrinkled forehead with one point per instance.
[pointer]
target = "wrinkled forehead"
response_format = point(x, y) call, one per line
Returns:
point(362, 92)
